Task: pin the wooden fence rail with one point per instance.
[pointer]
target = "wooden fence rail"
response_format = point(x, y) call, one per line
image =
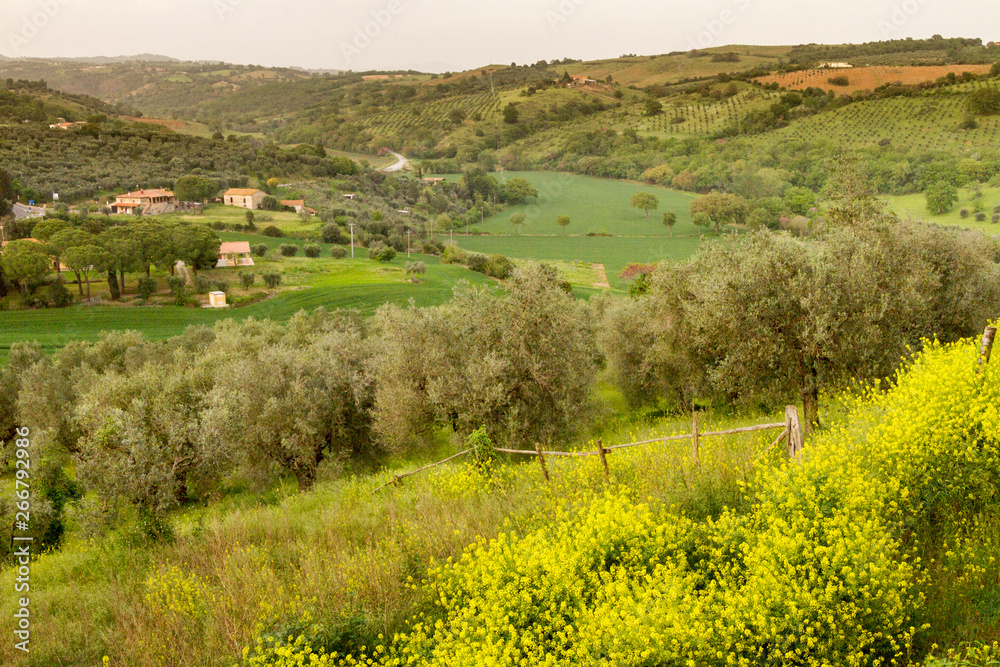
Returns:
point(791, 431)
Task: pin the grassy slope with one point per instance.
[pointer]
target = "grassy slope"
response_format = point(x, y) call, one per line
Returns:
point(339, 548)
point(915, 206)
point(593, 205)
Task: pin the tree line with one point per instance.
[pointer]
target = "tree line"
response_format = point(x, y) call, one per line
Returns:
point(94, 247)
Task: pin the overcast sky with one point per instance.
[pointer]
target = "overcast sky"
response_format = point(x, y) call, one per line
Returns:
point(440, 35)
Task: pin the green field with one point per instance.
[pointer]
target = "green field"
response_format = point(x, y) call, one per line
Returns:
point(359, 284)
point(915, 206)
point(595, 205)
point(614, 253)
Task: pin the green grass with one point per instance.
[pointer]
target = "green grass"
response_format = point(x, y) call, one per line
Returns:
point(615, 252)
point(915, 206)
point(593, 205)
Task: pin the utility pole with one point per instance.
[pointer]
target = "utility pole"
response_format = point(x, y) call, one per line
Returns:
point(352, 239)
point(407, 243)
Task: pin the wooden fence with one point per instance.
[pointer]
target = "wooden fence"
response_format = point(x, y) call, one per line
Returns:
point(791, 433)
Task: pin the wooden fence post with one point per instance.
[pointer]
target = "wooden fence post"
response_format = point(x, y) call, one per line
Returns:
point(604, 459)
point(541, 461)
point(794, 428)
point(694, 435)
point(986, 347)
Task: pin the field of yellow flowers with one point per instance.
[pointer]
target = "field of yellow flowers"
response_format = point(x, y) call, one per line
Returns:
point(878, 547)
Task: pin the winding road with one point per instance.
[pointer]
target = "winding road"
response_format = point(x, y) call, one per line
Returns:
point(399, 166)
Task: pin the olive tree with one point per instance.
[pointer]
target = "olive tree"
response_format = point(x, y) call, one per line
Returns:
point(293, 405)
point(519, 364)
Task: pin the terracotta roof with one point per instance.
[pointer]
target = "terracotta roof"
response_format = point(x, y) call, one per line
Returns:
point(146, 193)
point(235, 248)
point(242, 192)
point(293, 202)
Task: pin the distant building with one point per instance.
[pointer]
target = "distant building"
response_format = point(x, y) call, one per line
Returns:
point(350, 195)
point(433, 180)
point(297, 205)
point(152, 202)
point(836, 65)
point(65, 126)
point(582, 80)
point(233, 254)
point(244, 198)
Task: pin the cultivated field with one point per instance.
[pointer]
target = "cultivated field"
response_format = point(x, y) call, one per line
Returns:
point(594, 205)
point(867, 78)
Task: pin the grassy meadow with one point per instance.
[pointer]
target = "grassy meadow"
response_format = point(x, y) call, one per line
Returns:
point(915, 206)
point(594, 205)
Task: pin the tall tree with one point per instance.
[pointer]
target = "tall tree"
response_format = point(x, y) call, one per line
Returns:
point(563, 221)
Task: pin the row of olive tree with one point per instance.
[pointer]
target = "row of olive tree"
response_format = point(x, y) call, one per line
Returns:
point(152, 425)
point(760, 318)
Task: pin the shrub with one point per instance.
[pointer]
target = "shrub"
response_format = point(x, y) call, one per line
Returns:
point(432, 247)
point(221, 285)
point(498, 266)
point(839, 81)
point(964, 213)
point(338, 252)
point(60, 296)
point(413, 269)
point(272, 231)
point(288, 249)
point(218, 226)
point(202, 285)
point(996, 218)
point(477, 262)
point(259, 249)
point(454, 255)
point(312, 250)
point(247, 280)
point(146, 288)
point(271, 279)
point(380, 252)
point(331, 233)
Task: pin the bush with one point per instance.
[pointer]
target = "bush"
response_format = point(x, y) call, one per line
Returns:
point(247, 280)
point(221, 285)
point(259, 249)
point(147, 287)
point(996, 218)
point(413, 269)
point(380, 252)
point(964, 213)
point(477, 262)
point(498, 266)
point(839, 81)
point(271, 279)
point(312, 250)
point(432, 247)
point(331, 233)
point(59, 295)
point(454, 255)
point(272, 231)
point(202, 285)
point(338, 252)
point(288, 249)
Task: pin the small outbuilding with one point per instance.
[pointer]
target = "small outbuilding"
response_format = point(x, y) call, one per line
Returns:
point(233, 254)
point(217, 300)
